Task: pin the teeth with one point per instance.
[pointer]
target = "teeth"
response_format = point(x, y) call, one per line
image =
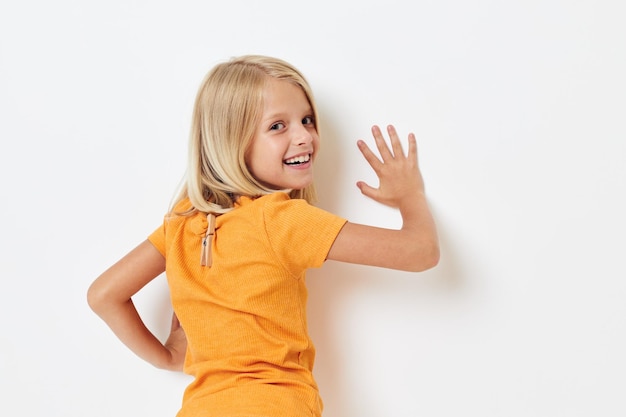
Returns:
point(298, 159)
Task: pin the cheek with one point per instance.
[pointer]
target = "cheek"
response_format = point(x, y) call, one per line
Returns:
point(251, 158)
point(247, 158)
point(316, 144)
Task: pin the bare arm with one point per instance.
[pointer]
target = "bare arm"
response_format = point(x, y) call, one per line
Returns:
point(415, 246)
point(110, 297)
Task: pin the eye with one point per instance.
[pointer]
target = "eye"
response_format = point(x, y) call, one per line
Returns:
point(277, 126)
point(308, 121)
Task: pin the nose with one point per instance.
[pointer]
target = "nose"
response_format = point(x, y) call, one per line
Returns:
point(302, 136)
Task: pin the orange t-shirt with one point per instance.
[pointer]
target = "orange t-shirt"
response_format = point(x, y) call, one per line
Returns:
point(245, 315)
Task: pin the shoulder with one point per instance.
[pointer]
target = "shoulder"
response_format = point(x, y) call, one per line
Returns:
point(282, 212)
point(300, 234)
point(183, 215)
point(281, 205)
point(267, 204)
point(180, 207)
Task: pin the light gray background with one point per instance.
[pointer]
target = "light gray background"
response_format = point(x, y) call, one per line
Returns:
point(519, 110)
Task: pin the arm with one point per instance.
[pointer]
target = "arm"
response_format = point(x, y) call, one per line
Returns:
point(415, 246)
point(110, 297)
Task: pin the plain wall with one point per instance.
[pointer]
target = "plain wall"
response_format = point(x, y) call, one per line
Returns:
point(519, 109)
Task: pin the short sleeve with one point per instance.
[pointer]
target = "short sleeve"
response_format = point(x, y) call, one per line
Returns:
point(157, 238)
point(300, 234)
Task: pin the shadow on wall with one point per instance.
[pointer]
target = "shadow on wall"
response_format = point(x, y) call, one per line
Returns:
point(332, 288)
point(328, 165)
point(336, 286)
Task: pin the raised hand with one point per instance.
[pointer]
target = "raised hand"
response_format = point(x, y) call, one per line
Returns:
point(400, 180)
point(415, 246)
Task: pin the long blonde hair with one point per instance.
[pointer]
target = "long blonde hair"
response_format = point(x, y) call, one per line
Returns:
point(226, 113)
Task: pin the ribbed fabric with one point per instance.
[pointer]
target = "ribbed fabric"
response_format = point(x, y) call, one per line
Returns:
point(245, 315)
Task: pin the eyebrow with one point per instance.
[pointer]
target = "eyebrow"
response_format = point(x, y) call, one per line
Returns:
point(281, 114)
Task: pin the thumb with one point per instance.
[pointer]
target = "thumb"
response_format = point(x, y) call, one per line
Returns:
point(175, 322)
point(367, 190)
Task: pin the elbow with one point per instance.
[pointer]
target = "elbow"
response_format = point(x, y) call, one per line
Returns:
point(94, 298)
point(97, 298)
point(427, 258)
point(433, 258)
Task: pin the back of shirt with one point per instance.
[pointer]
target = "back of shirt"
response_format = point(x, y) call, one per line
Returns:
point(245, 315)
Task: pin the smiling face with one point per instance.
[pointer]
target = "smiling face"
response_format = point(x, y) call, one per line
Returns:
point(281, 153)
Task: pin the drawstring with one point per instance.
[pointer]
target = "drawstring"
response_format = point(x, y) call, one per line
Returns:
point(205, 255)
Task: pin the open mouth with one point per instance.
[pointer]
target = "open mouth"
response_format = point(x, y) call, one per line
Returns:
point(298, 160)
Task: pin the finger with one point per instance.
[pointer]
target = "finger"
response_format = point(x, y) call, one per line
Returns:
point(381, 144)
point(175, 322)
point(396, 145)
point(367, 190)
point(369, 156)
point(412, 152)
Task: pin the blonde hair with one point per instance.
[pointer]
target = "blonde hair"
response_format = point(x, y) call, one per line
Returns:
point(226, 113)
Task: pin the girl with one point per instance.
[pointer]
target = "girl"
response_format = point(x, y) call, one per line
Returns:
point(237, 242)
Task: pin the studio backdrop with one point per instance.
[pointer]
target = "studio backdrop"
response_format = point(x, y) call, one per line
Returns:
point(519, 111)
